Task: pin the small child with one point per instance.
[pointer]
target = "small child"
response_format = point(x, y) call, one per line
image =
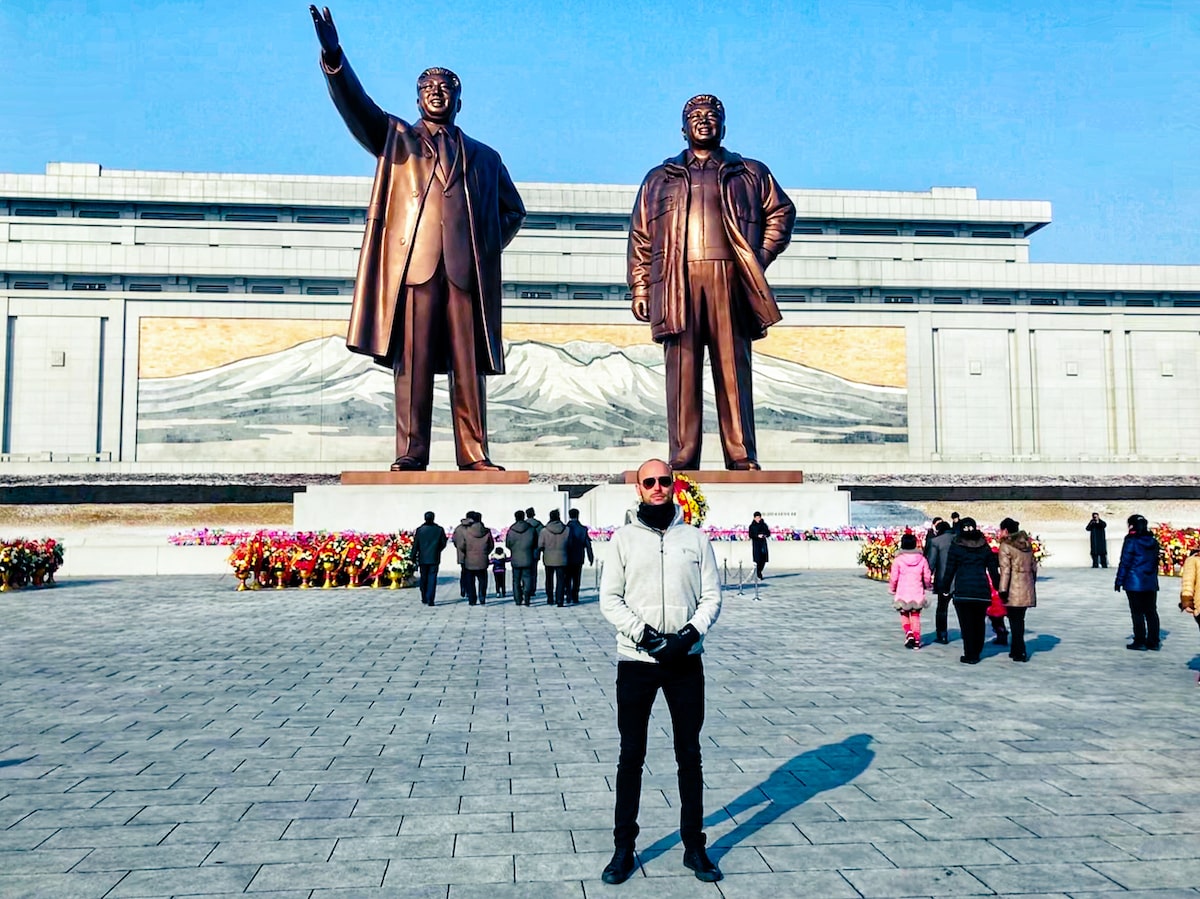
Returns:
point(499, 560)
point(908, 582)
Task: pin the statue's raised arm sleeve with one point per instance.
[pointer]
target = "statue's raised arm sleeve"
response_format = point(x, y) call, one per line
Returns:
point(366, 121)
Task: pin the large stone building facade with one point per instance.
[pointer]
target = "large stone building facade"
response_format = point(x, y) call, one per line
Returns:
point(192, 322)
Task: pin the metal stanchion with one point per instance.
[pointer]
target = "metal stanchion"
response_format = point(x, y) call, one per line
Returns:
point(741, 578)
point(725, 573)
point(597, 570)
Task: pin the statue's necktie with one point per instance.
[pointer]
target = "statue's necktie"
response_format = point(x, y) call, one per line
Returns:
point(445, 150)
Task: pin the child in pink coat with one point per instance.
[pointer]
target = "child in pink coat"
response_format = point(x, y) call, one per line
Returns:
point(908, 582)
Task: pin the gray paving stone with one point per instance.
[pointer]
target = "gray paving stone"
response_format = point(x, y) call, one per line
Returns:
point(332, 874)
point(1152, 875)
point(57, 886)
point(183, 882)
point(428, 734)
point(127, 858)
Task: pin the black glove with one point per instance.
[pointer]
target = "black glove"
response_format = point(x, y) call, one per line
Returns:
point(1117, 588)
point(652, 641)
point(678, 645)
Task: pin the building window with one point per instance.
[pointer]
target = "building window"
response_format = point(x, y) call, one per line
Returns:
point(1186, 301)
point(897, 299)
point(998, 234)
point(322, 290)
point(1093, 301)
point(934, 232)
point(587, 295)
point(540, 225)
point(536, 295)
point(99, 213)
point(997, 301)
point(948, 301)
point(250, 217)
point(870, 232)
point(267, 288)
point(321, 219)
point(31, 285)
point(171, 215)
point(599, 226)
point(807, 229)
point(1139, 301)
point(791, 297)
point(212, 288)
point(37, 211)
point(1043, 301)
point(88, 285)
point(145, 288)
point(841, 298)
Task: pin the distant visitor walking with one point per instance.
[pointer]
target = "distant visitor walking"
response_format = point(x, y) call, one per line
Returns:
point(908, 582)
point(1137, 575)
point(1099, 541)
point(759, 535)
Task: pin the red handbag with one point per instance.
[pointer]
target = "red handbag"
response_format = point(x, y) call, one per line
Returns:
point(996, 608)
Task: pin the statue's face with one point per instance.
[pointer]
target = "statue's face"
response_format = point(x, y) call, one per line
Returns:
point(704, 127)
point(438, 99)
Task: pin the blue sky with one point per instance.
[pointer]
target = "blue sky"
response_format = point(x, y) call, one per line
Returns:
point(1094, 107)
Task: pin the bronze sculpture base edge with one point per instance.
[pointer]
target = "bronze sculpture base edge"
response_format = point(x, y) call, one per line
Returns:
point(429, 478)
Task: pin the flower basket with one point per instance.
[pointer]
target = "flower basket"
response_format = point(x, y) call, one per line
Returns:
point(285, 559)
point(690, 498)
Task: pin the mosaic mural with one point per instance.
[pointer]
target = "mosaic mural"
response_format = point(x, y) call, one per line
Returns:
point(278, 390)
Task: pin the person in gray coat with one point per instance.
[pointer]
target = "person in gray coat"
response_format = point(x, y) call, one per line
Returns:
point(476, 546)
point(939, 552)
point(456, 539)
point(521, 541)
point(552, 546)
point(531, 517)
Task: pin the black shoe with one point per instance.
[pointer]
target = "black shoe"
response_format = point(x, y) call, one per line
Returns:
point(943, 637)
point(1000, 640)
point(1023, 657)
point(698, 860)
point(1140, 647)
point(408, 463)
point(1154, 647)
point(966, 660)
point(622, 865)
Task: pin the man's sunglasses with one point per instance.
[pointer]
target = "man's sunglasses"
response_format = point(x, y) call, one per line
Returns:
point(663, 480)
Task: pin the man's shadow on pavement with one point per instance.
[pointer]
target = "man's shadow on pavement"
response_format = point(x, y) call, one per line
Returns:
point(1041, 643)
point(790, 785)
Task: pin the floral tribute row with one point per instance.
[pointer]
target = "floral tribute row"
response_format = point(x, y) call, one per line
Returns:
point(29, 563)
point(220, 537)
point(304, 559)
point(880, 549)
point(1174, 546)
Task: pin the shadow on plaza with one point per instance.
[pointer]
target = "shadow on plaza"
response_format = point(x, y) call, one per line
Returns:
point(790, 785)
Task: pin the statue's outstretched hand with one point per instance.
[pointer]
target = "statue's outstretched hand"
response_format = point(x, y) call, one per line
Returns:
point(326, 31)
point(641, 309)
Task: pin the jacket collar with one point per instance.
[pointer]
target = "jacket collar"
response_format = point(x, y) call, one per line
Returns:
point(729, 162)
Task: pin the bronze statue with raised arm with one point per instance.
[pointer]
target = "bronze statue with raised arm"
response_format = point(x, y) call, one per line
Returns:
point(706, 224)
point(427, 295)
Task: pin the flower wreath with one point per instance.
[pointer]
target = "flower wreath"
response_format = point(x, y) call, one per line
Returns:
point(690, 499)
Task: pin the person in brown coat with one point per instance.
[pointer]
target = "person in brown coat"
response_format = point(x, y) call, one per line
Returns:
point(1018, 584)
point(475, 543)
point(427, 296)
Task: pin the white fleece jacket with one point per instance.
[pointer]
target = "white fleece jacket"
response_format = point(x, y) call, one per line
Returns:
point(666, 579)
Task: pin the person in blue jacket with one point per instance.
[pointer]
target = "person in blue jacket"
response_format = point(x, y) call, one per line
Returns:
point(1137, 575)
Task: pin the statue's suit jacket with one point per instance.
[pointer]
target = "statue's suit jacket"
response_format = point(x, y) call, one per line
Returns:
point(758, 218)
point(403, 177)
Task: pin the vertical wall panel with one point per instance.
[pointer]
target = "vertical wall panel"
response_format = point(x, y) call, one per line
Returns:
point(1070, 371)
point(55, 388)
point(1164, 372)
point(974, 401)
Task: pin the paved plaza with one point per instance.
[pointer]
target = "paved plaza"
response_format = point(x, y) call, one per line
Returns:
point(164, 737)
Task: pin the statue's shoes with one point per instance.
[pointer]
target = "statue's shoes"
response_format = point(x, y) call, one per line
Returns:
point(408, 463)
point(481, 465)
point(745, 465)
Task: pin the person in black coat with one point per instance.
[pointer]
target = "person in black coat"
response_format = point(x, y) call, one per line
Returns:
point(1099, 540)
point(759, 535)
point(1137, 575)
point(973, 569)
point(938, 555)
point(579, 547)
point(428, 542)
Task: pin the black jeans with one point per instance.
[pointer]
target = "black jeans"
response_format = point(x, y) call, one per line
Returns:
point(522, 585)
point(463, 577)
point(556, 584)
point(1099, 560)
point(428, 583)
point(972, 613)
point(1016, 631)
point(476, 585)
point(940, 624)
point(500, 582)
point(574, 576)
point(1143, 609)
point(638, 683)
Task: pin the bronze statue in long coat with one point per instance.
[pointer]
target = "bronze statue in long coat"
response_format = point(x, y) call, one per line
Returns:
point(427, 296)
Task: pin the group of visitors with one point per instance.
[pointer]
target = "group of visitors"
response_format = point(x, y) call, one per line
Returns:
point(957, 564)
point(561, 548)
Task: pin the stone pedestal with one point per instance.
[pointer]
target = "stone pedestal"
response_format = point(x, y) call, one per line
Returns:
point(733, 498)
point(381, 501)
